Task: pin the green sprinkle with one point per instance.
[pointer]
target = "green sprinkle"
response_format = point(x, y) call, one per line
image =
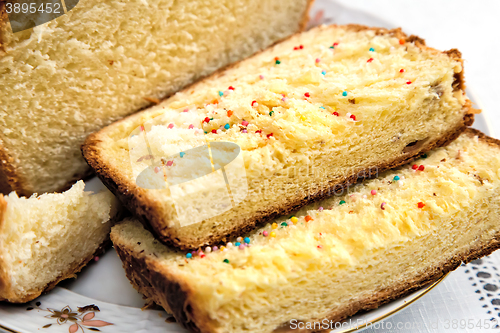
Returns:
point(424, 156)
point(284, 224)
point(221, 93)
point(211, 118)
point(278, 62)
point(271, 113)
point(341, 202)
point(331, 47)
point(226, 261)
point(206, 132)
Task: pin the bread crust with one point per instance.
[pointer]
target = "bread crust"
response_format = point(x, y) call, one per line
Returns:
point(177, 297)
point(135, 198)
point(11, 180)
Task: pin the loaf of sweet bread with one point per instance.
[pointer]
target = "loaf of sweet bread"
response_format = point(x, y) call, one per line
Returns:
point(305, 118)
point(103, 60)
point(387, 237)
point(46, 239)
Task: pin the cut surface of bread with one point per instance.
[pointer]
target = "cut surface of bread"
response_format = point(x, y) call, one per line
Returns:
point(46, 239)
point(308, 117)
point(104, 60)
point(344, 254)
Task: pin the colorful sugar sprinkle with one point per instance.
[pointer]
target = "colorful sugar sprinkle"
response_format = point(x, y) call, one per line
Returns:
point(247, 240)
point(344, 93)
point(189, 255)
point(323, 72)
point(320, 209)
point(382, 206)
point(261, 77)
point(182, 154)
point(226, 261)
point(265, 233)
point(372, 49)
point(341, 202)
point(272, 234)
point(254, 103)
point(221, 93)
point(170, 163)
point(421, 168)
point(396, 178)
point(373, 192)
point(294, 219)
point(308, 218)
point(170, 126)
point(420, 205)
point(335, 113)
point(229, 113)
point(370, 60)
point(318, 60)
point(244, 123)
point(274, 226)
point(227, 126)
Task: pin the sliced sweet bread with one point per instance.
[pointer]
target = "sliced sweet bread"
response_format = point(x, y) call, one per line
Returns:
point(103, 60)
point(46, 239)
point(344, 254)
point(287, 126)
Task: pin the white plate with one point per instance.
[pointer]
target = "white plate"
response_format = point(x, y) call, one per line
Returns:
point(104, 284)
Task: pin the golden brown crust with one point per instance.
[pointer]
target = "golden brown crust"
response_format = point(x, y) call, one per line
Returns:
point(305, 18)
point(149, 213)
point(11, 181)
point(176, 297)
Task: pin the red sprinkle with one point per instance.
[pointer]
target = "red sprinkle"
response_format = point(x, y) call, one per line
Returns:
point(295, 48)
point(421, 205)
point(308, 218)
point(401, 70)
point(307, 94)
point(269, 135)
point(231, 88)
point(202, 256)
point(229, 113)
point(170, 125)
point(169, 163)
point(276, 58)
point(301, 47)
point(401, 41)
point(335, 44)
point(414, 167)
point(319, 246)
point(214, 131)
point(421, 168)
point(244, 123)
point(408, 82)
point(258, 131)
point(206, 119)
point(254, 102)
point(353, 117)
point(370, 60)
point(336, 113)
point(191, 126)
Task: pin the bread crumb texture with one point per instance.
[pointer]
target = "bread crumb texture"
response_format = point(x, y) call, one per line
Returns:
point(306, 113)
point(43, 237)
point(326, 258)
point(106, 59)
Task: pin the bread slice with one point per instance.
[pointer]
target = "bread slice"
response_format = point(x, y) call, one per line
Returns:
point(304, 118)
point(104, 60)
point(46, 239)
point(344, 254)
